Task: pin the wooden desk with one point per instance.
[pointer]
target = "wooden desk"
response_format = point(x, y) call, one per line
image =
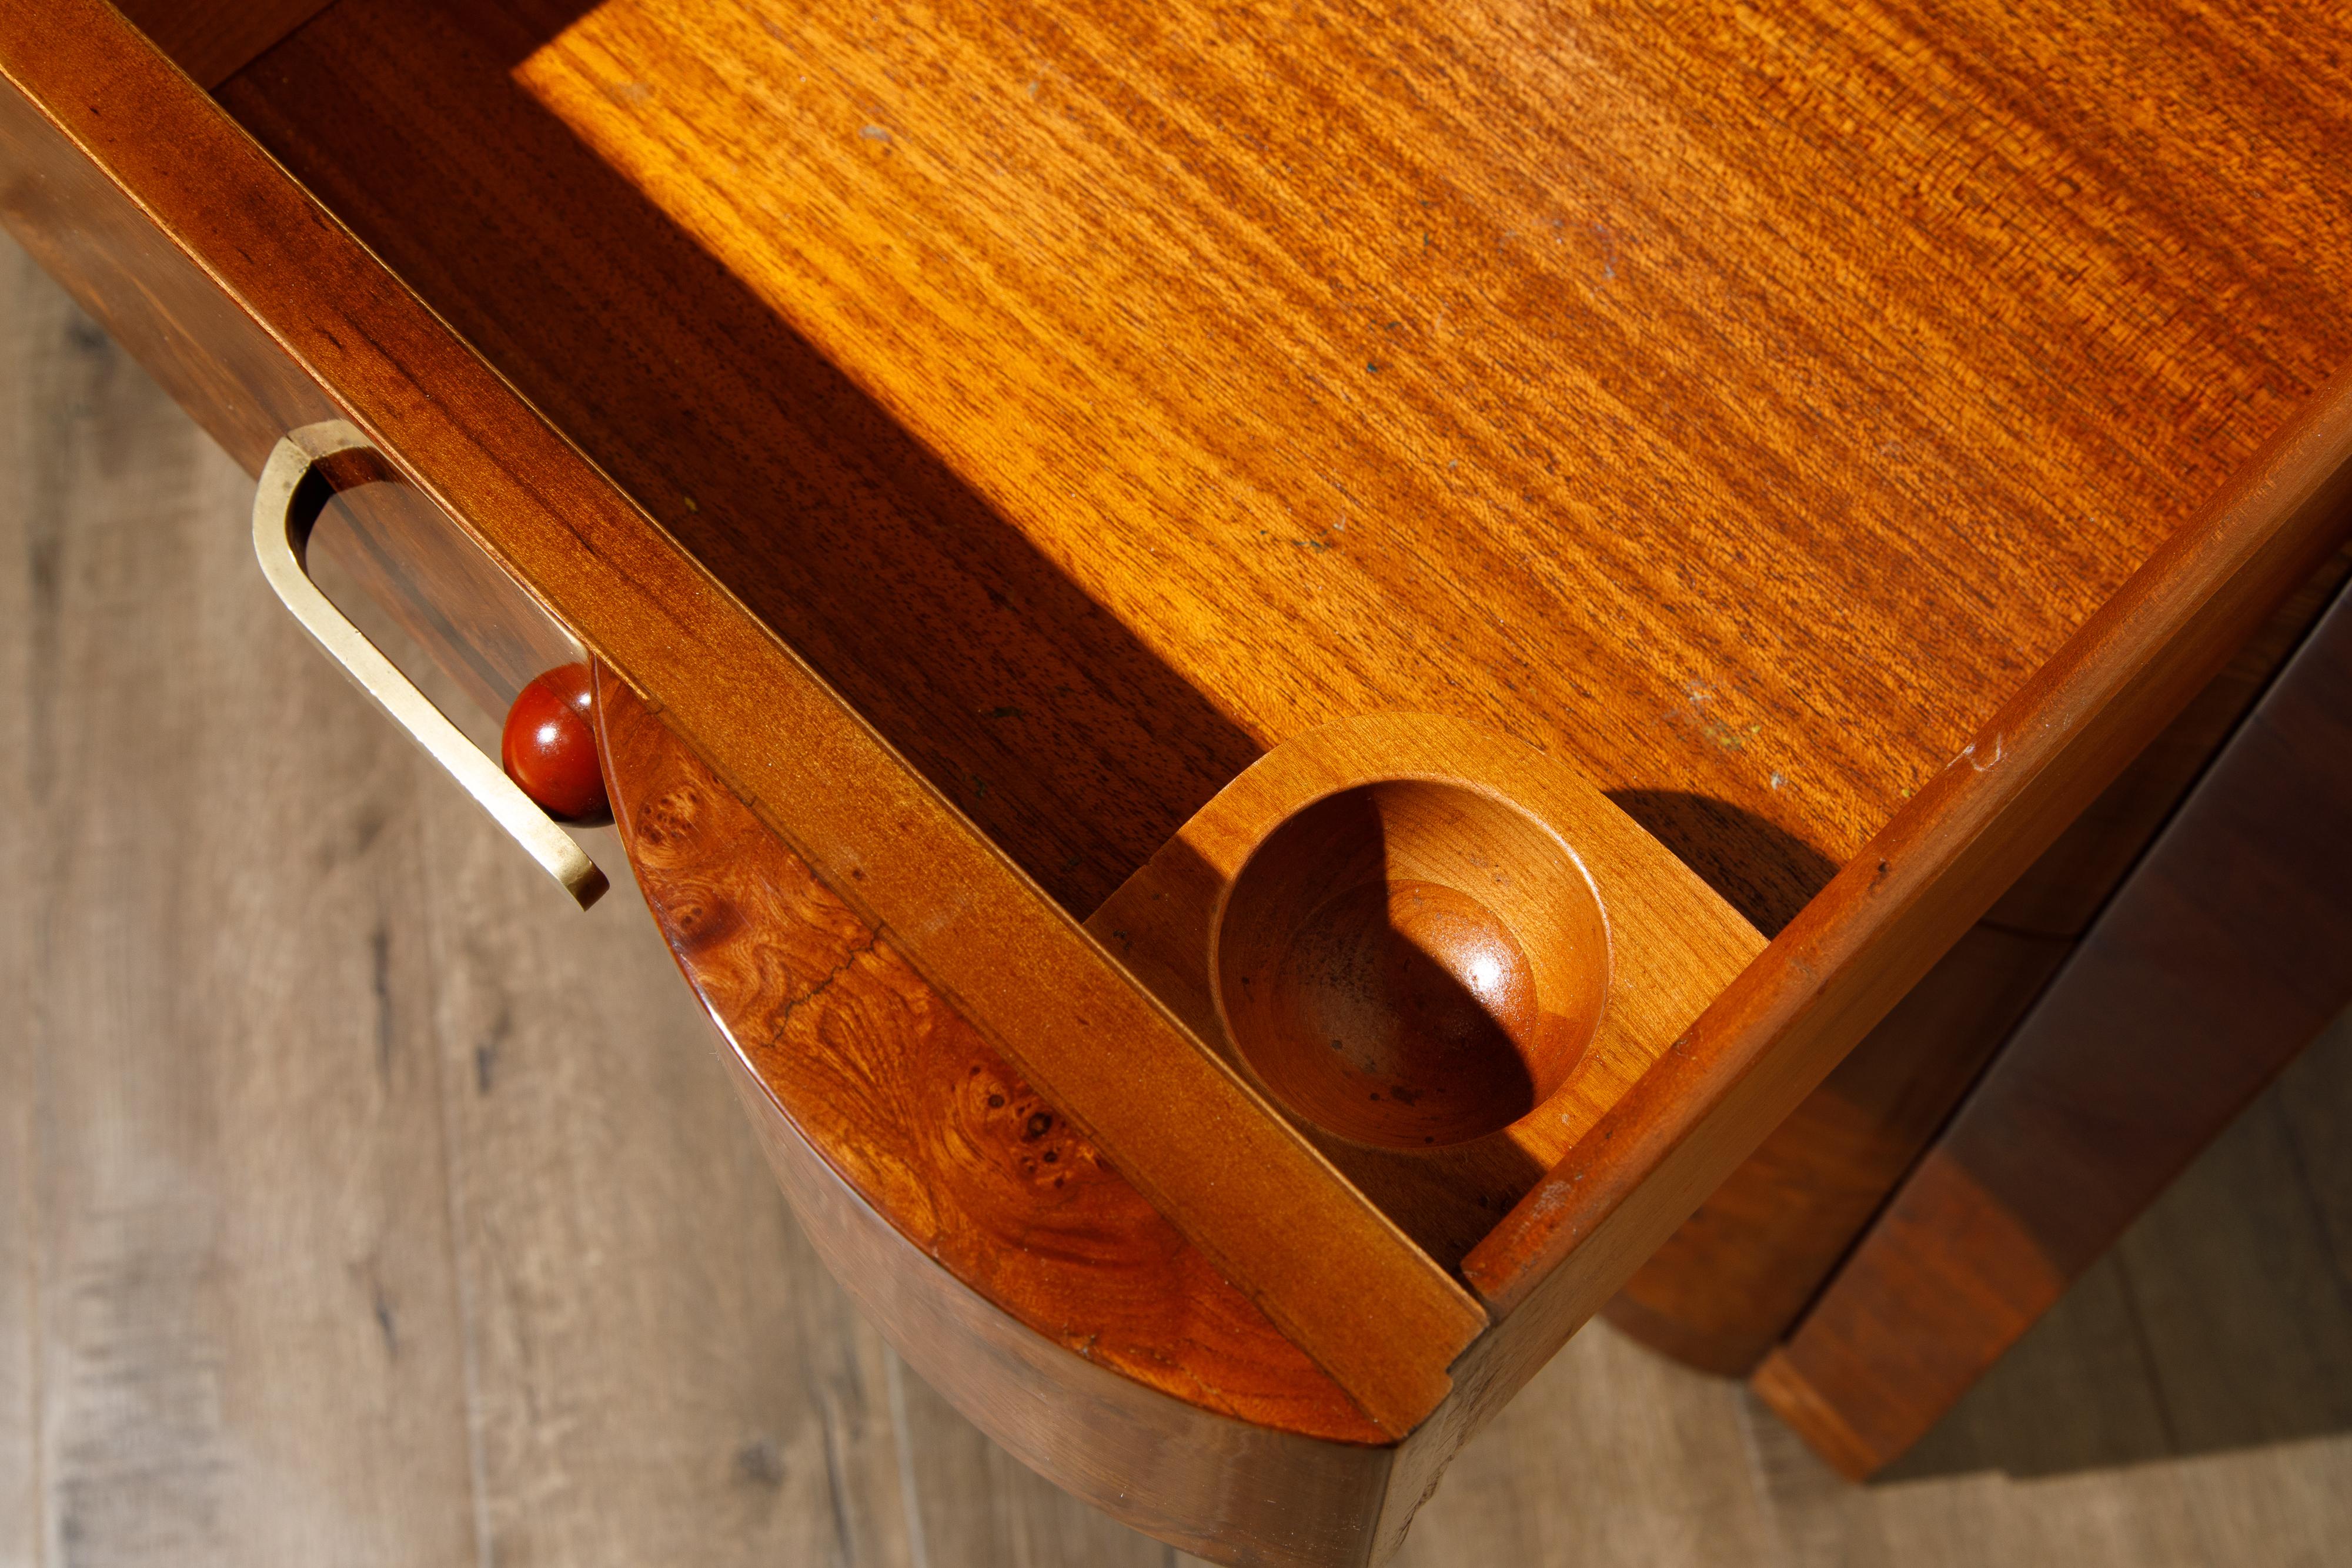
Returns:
point(971, 450)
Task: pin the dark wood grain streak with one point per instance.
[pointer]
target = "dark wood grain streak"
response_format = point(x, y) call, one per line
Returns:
point(1094, 293)
point(663, 1370)
point(2075, 877)
point(1741, 401)
point(2221, 956)
point(870, 122)
point(1021, 698)
point(849, 1064)
point(1732, 1279)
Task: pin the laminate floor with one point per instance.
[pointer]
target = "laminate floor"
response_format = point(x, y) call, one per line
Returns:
point(363, 1203)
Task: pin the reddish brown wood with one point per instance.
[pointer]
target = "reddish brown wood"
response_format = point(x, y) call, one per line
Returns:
point(1019, 376)
point(386, 550)
point(1012, 375)
point(2066, 888)
point(2220, 957)
point(809, 276)
point(920, 1115)
point(548, 746)
point(1532, 852)
point(1730, 1283)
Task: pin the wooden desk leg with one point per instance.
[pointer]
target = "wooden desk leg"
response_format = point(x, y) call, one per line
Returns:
point(2224, 953)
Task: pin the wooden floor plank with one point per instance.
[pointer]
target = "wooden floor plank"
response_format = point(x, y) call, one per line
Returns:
point(982, 1508)
point(243, 1288)
point(1612, 1454)
point(29, 340)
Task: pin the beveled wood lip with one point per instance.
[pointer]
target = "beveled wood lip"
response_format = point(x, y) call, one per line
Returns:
point(789, 991)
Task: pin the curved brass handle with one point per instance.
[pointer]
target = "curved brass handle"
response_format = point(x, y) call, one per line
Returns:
point(304, 471)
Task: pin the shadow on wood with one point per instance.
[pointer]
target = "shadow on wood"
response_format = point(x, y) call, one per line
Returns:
point(1715, 837)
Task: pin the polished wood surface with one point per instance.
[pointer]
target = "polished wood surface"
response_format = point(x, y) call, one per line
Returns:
point(957, 1181)
point(2075, 877)
point(360, 1203)
point(862, 230)
point(2226, 951)
point(1140, 508)
point(1734, 1279)
point(1841, 967)
point(615, 1347)
point(1726, 1285)
point(996, 1248)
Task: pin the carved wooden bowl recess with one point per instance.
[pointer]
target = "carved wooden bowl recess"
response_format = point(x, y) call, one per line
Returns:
point(1497, 951)
point(1412, 963)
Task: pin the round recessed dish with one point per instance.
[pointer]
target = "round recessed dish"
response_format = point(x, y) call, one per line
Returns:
point(1411, 964)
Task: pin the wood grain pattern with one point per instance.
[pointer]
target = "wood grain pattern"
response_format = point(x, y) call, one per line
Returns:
point(2037, 195)
point(387, 551)
point(2066, 888)
point(215, 1003)
point(1476, 292)
point(32, 319)
point(1733, 1279)
point(2222, 955)
point(1065, 737)
point(658, 96)
point(1609, 292)
point(211, 40)
point(1027, 1279)
point(382, 1211)
point(133, 277)
point(897, 849)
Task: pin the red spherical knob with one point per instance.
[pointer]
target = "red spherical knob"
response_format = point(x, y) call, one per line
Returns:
point(550, 746)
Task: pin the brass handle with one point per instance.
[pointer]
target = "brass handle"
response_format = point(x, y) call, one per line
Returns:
point(304, 471)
